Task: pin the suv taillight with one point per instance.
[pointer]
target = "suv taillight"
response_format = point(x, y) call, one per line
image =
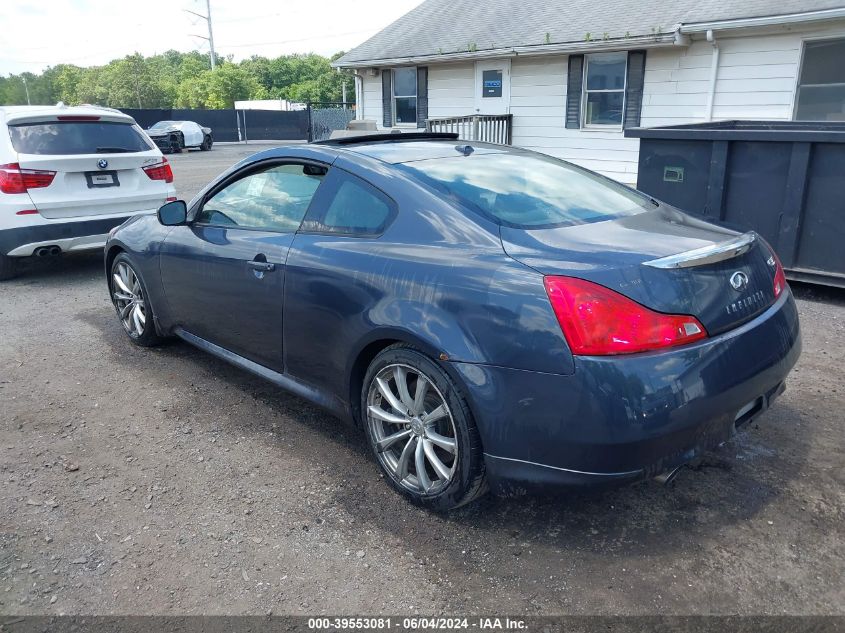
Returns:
point(160, 171)
point(13, 179)
point(597, 321)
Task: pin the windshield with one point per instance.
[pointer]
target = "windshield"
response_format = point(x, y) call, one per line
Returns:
point(527, 190)
point(162, 124)
point(77, 137)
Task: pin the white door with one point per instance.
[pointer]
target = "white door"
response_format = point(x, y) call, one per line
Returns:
point(493, 86)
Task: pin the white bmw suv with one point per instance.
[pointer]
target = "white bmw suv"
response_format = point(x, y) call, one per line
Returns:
point(68, 175)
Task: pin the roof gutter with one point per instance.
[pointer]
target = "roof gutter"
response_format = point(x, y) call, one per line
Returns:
point(585, 46)
point(769, 20)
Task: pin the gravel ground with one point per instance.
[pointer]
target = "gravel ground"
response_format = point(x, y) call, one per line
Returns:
point(164, 481)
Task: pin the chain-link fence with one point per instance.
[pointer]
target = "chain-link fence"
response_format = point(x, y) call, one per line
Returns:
point(326, 117)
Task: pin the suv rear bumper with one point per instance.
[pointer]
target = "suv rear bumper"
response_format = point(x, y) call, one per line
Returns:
point(69, 236)
point(624, 418)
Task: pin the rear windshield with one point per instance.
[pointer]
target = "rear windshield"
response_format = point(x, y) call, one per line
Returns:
point(528, 190)
point(77, 137)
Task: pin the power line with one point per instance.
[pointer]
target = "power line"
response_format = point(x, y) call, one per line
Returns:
point(303, 39)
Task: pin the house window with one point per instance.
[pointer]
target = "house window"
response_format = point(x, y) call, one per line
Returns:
point(405, 96)
point(821, 87)
point(604, 89)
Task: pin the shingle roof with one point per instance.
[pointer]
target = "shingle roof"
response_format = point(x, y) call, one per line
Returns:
point(449, 26)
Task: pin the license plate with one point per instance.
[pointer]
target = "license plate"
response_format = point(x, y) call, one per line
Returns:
point(101, 179)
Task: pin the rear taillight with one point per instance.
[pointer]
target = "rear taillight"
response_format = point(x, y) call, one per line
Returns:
point(13, 179)
point(160, 171)
point(597, 321)
point(779, 284)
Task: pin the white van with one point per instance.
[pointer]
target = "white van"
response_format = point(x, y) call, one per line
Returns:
point(70, 174)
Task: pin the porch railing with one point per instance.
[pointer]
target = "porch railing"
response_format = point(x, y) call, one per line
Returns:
point(491, 128)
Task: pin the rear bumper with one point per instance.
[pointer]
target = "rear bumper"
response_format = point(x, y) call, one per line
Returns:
point(625, 418)
point(69, 236)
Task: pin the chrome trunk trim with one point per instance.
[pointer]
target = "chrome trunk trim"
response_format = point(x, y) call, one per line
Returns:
point(708, 254)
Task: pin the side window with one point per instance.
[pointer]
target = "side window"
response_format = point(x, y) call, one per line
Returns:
point(274, 199)
point(350, 206)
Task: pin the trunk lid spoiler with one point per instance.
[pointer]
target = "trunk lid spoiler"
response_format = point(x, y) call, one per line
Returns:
point(707, 254)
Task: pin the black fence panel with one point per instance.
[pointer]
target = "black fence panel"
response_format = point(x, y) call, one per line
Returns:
point(272, 125)
point(147, 117)
point(233, 125)
point(223, 123)
point(783, 179)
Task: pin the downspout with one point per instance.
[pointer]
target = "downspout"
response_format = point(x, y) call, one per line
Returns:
point(714, 72)
point(359, 90)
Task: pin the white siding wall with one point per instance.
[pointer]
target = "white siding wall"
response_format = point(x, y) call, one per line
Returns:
point(538, 105)
point(451, 90)
point(372, 98)
point(756, 80)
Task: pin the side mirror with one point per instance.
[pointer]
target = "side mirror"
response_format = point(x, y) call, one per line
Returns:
point(173, 213)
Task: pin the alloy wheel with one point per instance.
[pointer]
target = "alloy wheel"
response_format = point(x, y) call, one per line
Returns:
point(129, 299)
point(414, 435)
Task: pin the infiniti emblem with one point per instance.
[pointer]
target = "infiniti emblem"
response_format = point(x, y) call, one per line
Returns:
point(102, 163)
point(739, 280)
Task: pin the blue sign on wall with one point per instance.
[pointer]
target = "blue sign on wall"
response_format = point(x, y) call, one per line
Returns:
point(491, 83)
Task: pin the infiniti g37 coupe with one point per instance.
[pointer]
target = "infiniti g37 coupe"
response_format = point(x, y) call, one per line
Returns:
point(491, 317)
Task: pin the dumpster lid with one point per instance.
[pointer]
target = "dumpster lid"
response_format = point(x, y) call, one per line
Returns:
point(759, 130)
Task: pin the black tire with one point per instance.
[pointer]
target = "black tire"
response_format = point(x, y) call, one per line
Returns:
point(8, 267)
point(206, 143)
point(467, 481)
point(148, 337)
point(176, 143)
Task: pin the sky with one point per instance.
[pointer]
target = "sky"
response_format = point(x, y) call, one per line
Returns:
point(38, 34)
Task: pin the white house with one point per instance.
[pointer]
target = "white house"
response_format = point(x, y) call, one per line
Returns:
point(572, 75)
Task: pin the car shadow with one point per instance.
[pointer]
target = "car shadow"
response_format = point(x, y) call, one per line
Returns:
point(731, 484)
point(818, 294)
point(74, 267)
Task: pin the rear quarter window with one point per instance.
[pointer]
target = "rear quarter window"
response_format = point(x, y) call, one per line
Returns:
point(77, 137)
point(348, 205)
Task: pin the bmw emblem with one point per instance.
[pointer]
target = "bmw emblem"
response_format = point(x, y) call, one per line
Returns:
point(102, 163)
point(739, 281)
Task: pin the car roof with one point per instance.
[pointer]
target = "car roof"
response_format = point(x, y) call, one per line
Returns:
point(403, 152)
point(22, 114)
point(398, 150)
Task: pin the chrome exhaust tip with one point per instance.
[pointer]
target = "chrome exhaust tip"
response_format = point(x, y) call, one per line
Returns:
point(668, 476)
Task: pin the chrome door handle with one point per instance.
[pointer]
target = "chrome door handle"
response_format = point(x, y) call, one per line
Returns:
point(264, 267)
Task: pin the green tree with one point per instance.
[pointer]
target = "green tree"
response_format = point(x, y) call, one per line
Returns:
point(183, 80)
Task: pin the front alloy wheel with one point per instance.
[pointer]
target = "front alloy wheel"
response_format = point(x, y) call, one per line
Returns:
point(129, 298)
point(421, 430)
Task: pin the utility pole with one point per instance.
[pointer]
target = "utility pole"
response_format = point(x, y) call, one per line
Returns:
point(26, 89)
point(210, 38)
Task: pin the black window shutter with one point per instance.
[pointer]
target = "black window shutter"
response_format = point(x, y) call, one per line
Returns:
point(634, 88)
point(574, 81)
point(422, 95)
point(387, 97)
